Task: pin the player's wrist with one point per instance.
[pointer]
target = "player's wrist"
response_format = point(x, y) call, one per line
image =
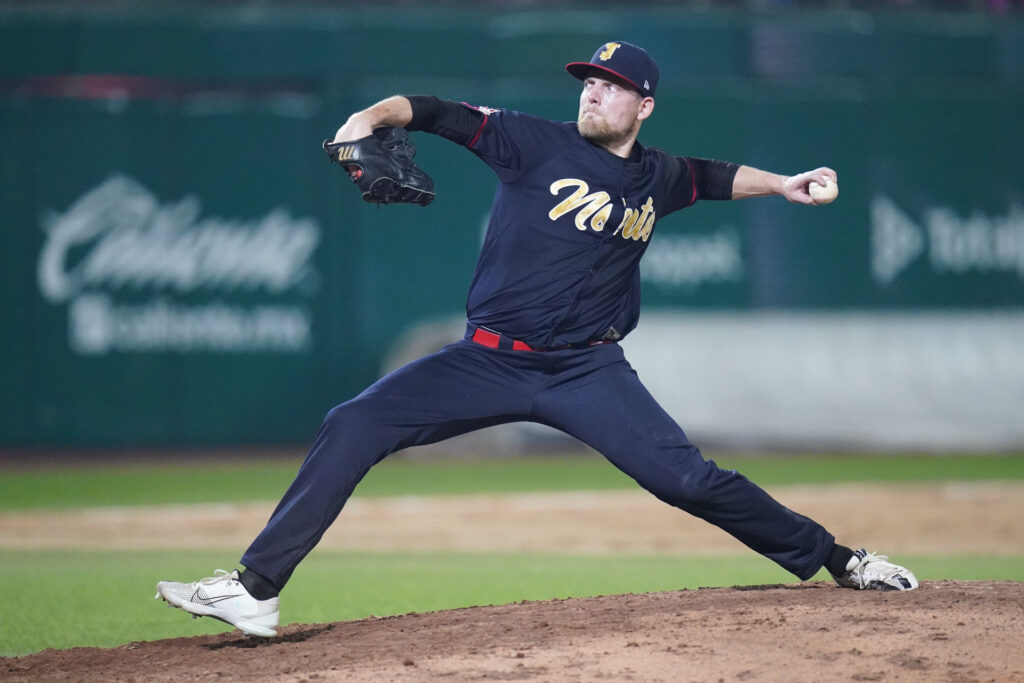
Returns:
point(357, 126)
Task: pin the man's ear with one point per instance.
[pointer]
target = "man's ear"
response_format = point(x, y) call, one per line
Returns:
point(646, 108)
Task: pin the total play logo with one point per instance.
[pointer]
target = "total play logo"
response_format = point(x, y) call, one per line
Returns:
point(950, 244)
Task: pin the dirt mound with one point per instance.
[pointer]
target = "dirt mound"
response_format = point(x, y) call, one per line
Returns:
point(948, 631)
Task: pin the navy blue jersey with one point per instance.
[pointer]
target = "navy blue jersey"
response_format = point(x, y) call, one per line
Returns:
point(568, 226)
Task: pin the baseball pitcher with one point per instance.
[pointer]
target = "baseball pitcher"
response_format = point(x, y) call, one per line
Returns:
point(556, 287)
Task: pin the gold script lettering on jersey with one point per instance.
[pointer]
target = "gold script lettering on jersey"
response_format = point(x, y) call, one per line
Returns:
point(596, 207)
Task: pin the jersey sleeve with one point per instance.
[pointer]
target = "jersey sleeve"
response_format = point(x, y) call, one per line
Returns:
point(431, 114)
point(691, 178)
point(513, 143)
point(712, 177)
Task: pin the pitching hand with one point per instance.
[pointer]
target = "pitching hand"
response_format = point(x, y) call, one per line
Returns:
point(796, 188)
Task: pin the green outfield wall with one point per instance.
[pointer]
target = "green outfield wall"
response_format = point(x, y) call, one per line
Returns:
point(182, 266)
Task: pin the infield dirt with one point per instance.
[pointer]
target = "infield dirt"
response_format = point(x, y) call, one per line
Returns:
point(945, 631)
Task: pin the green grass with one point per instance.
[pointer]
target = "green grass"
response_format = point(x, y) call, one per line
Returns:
point(141, 483)
point(63, 599)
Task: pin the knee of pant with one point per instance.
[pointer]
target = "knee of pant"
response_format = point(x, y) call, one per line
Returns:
point(347, 414)
point(335, 416)
point(356, 431)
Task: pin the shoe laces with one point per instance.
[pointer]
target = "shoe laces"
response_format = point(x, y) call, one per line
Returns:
point(880, 565)
point(219, 576)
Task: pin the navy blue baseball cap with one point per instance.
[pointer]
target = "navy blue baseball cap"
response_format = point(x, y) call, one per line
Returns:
point(625, 60)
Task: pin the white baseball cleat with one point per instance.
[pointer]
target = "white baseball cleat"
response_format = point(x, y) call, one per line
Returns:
point(867, 571)
point(223, 597)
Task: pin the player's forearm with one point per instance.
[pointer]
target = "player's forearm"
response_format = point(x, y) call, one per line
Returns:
point(752, 182)
point(393, 111)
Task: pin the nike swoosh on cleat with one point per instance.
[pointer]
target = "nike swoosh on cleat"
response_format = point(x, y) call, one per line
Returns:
point(210, 601)
point(222, 598)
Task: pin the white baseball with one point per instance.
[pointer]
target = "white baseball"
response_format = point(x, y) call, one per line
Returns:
point(823, 194)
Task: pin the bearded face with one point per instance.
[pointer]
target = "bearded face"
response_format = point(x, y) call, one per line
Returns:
point(598, 129)
point(608, 111)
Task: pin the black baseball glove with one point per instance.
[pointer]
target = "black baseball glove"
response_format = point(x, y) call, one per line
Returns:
point(381, 165)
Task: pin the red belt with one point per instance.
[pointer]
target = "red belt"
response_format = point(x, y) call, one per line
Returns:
point(493, 340)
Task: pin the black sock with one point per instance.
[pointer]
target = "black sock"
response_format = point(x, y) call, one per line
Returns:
point(258, 586)
point(837, 559)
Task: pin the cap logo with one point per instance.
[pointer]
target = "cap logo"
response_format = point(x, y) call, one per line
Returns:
point(647, 86)
point(609, 50)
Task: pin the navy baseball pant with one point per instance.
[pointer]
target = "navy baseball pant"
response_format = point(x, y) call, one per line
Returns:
point(591, 393)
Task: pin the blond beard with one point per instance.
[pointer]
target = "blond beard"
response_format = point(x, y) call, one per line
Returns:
point(599, 132)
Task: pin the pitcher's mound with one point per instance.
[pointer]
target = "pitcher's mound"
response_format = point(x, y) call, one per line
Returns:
point(945, 630)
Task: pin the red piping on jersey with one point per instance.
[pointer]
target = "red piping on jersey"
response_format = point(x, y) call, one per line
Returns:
point(693, 179)
point(482, 124)
point(478, 131)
